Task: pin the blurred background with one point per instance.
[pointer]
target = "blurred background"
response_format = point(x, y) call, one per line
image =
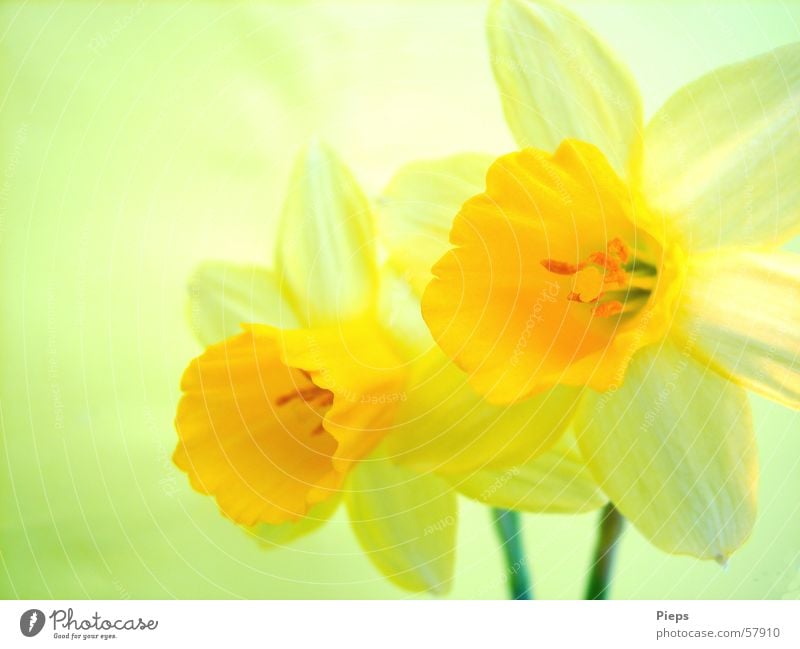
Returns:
point(138, 139)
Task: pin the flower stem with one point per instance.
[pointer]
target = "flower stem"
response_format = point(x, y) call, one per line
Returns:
point(611, 526)
point(509, 529)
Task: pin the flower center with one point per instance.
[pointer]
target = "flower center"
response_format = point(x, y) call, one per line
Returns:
point(316, 399)
point(614, 281)
point(559, 274)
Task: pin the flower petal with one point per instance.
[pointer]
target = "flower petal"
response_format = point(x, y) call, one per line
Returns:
point(417, 208)
point(356, 361)
point(721, 155)
point(222, 296)
point(674, 450)
point(276, 536)
point(558, 80)
point(406, 523)
point(445, 426)
point(501, 307)
point(557, 481)
point(742, 313)
point(325, 258)
point(251, 432)
point(399, 312)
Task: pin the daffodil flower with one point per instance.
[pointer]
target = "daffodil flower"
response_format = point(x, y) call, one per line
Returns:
point(339, 392)
point(640, 263)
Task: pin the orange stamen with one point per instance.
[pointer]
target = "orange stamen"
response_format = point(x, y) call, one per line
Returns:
point(562, 267)
point(607, 309)
point(611, 261)
point(618, 249)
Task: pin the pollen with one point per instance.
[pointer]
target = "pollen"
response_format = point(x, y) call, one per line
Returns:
point(594, 276)
point(607, 309)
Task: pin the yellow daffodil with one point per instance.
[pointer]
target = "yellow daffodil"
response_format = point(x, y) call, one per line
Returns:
point(339, 392)
point(640, 263)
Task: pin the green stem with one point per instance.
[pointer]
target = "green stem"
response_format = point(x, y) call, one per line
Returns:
point(509, 529)
point(611, 526)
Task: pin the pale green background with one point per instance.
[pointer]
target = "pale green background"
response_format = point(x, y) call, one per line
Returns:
point(138, 140)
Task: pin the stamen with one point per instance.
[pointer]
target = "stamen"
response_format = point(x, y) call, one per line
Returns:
point(562, 267)
point(607, 309)
point(612, 259)
point(618, 249)
point(576, 297)
point(608, 268)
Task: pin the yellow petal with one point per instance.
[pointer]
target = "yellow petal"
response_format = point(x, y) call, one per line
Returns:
point(399, 312)
point(325, 258)
point(557, 81)
point(251, 432)
point(417, 209)
point(275, 536)
point(406, 523)
point(674, 450)
point(557, 481)
point(721, 155)
point(222, 296)
point(357, 363)
point(510, 303)
point(740, 312)
point(445, 426)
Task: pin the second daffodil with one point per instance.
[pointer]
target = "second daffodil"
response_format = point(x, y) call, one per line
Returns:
point(640, 263)
point(338, 391)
